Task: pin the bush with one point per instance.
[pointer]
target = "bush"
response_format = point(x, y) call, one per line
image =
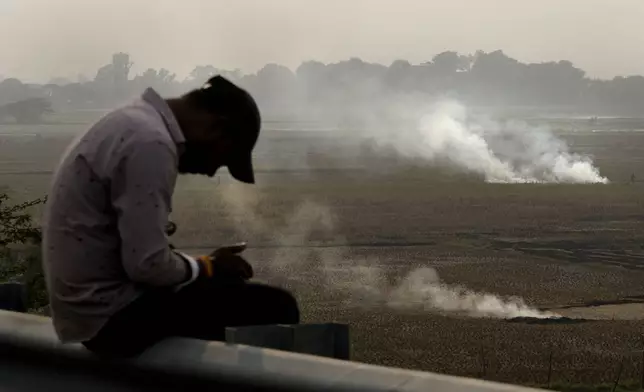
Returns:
point(16, 224)
point(20, 250)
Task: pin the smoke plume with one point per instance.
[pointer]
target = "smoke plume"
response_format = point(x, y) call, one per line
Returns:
point(501, 152)
point(423, 289)
point(309, 253)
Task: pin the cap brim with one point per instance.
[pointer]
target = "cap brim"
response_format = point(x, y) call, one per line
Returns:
point(242, 169)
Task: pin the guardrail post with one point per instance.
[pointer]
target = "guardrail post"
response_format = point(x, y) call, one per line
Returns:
point(13, 297)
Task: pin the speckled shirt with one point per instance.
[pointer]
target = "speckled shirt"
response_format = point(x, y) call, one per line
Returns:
point(104, 241)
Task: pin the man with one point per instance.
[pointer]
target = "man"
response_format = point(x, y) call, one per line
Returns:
point(114, 282)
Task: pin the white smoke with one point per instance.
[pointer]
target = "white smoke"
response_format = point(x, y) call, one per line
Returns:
point(361, 281)
point(510, 152)
point(423, 289)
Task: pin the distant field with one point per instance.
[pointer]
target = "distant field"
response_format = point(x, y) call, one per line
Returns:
point(321, 203)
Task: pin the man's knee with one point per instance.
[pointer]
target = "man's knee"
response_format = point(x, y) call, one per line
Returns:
point(290, 308)
point(281, 303)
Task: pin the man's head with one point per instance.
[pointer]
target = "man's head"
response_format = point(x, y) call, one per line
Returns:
point(221, 123)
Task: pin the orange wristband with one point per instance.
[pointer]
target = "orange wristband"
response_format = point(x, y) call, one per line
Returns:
point(207, 262)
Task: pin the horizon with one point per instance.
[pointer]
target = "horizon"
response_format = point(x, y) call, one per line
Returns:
point(596, 36)
point(186, 77)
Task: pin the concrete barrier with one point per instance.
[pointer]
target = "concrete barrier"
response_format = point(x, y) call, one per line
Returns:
point(32, 359)
point(13, 296)
point(326, 340)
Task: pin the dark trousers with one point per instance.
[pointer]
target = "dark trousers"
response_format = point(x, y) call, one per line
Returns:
point(201, 310)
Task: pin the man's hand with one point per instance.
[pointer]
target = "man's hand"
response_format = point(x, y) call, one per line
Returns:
point(225, 263)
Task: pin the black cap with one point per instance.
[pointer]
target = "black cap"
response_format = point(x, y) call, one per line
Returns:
point(242, 169)
point(242, 119)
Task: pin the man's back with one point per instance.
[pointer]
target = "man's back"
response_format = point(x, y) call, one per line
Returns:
point(115, 283)
point(83, 249)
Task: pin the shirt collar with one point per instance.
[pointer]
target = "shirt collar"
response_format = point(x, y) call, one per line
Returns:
point(160, 105)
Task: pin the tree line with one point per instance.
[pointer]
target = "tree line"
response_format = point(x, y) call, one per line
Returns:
point(482, 78)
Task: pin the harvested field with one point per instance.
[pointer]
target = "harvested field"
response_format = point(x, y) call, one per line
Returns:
point(571, 249)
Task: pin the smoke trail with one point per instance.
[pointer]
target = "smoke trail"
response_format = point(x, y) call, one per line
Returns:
point(423, 289)
point(510, 152)
point(362, 281)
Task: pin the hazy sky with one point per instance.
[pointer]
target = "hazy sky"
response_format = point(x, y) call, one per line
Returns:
point(44, 38)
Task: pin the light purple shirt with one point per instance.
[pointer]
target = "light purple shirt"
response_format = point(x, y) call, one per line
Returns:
point(104, 241)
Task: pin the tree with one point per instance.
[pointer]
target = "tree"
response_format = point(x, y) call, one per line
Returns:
point(161, 80)
point(112, 79)
point(16, 224)
point(121, 66)
point(553, 83)
point(26, 111)
point(495, 78)
point(480, 79)
point(275, 87)
point(311, 77)
point(448, 63)
point(201, 73)
point(12, 90)
point(399, 76)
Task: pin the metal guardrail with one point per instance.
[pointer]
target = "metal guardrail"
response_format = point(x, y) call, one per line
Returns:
point(32, 359)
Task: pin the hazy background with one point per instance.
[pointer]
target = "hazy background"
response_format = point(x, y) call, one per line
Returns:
point(41, 39)
point(399, 146)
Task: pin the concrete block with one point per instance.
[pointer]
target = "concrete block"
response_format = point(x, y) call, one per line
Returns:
point(342, 341)
point(326, 340)
point(13, 297)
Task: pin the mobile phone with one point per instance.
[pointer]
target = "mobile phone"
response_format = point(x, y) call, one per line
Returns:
point(236, 248)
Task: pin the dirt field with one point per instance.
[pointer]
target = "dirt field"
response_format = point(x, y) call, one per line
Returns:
point(559, 247)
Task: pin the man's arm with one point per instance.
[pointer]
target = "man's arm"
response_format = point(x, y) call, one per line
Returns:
point(142, 190)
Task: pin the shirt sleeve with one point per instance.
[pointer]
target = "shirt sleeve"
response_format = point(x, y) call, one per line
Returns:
point(141, 195)
point(194, 268)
